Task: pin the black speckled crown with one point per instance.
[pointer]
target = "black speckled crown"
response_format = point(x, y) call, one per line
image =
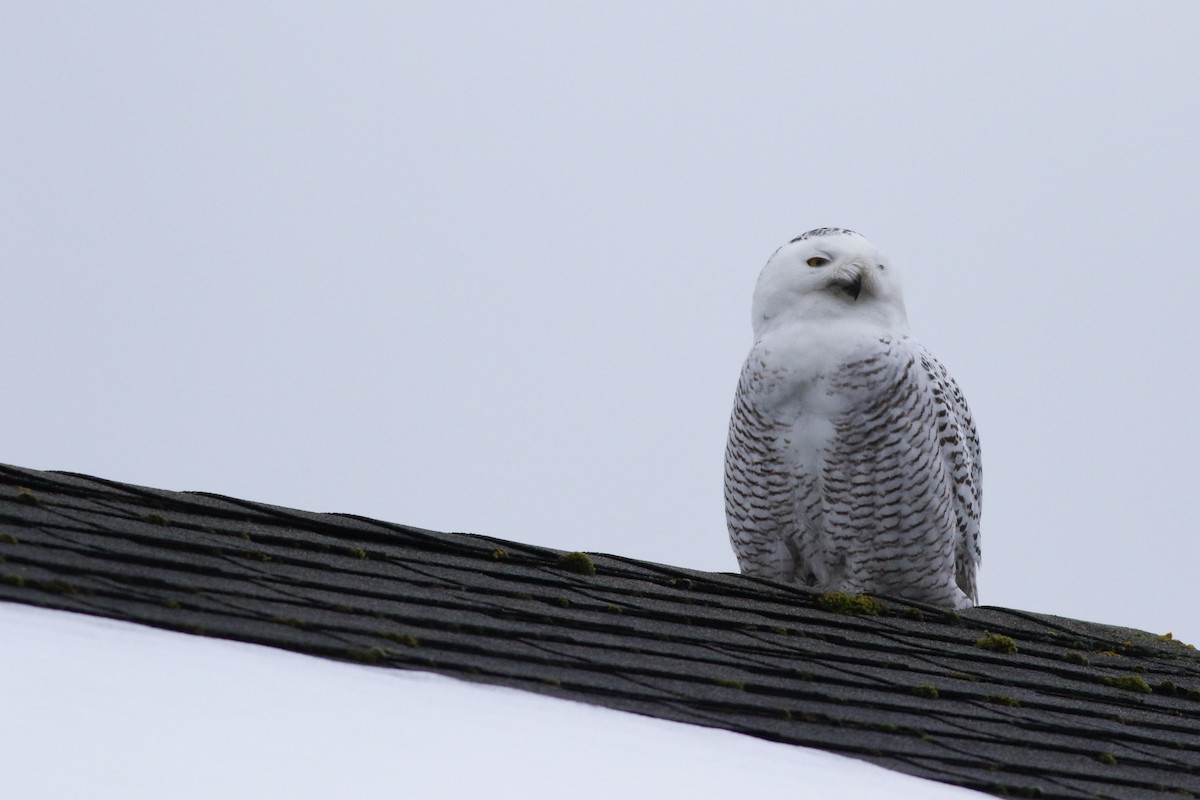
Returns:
point(815, 232)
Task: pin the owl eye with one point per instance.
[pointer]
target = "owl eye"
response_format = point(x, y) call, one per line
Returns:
point(817, 261)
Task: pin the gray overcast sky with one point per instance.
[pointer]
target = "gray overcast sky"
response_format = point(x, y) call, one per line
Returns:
point(487, 267)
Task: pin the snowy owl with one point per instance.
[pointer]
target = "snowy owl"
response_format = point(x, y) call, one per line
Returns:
point(853, 462)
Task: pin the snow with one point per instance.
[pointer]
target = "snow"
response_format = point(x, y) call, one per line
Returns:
point(103, 709)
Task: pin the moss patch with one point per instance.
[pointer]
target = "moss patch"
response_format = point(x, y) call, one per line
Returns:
point(1003, 700)
point(500, 554)
point(728, 684)
point(367, 655)
point(1171, 690)
point(157, 519)
point(406, 639)
point(926, 690)
point(1130, 683)
point(997, 643)
point(1169, 637)
point(27, 497)
point(1107, 758)
point(579, 563)
point(843, 603)
point(1076, 657)
point(8, 538)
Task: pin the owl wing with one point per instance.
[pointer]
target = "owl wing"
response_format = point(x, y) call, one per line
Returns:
point(901, 476)
point(959, 445)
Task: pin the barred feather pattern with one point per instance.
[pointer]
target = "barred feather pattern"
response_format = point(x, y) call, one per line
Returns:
point(888, 499)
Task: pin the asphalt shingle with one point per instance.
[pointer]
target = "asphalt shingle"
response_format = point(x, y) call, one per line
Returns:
point(998, 700)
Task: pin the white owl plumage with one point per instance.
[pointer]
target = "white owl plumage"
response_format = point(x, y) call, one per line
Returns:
point(853, 461)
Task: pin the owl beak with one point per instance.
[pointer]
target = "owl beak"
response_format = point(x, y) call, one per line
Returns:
point(851, 284)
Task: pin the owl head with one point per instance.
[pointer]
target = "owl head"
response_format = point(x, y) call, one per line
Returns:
point(828, 274)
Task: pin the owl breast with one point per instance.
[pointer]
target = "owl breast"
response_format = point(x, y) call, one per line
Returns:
point(841, 469)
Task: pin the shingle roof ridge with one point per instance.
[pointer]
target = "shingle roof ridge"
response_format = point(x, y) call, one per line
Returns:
point(1001, 700)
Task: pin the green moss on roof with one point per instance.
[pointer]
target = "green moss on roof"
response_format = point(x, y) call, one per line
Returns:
point(366, 655)
point(403, 638)
point(292, 622)
point(579, 563)
point(1169, 689)
point(1130, 683)
point(843, 603)
point(1169, 637)
point(997, 643)
point(57, 586)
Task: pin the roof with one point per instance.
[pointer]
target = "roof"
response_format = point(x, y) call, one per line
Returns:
point(998, 700)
